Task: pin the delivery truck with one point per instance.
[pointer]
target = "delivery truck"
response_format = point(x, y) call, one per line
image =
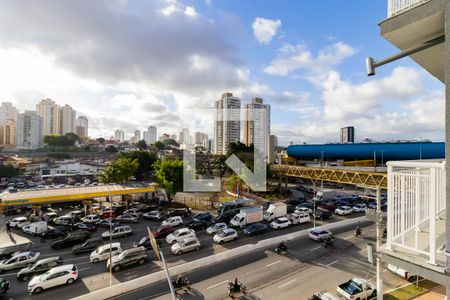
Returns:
point(275, 210)
point(247, 216)
point(325, 194)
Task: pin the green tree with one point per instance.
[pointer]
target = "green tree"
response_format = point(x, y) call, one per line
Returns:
point(58, 140)
point(145, 160)
point(170, 142)
point(110, 149)
point(159, 145)
point(142, 145)
point(119, 170)
point(8, 171)
point(169, 175)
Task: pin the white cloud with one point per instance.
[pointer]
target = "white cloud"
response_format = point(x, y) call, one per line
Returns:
point(190, 11)
point(265, 29)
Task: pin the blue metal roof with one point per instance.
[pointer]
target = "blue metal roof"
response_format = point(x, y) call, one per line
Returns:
point(360, 151)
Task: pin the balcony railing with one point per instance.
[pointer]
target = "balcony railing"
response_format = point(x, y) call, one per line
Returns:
point(396, 7)
point(416, 208)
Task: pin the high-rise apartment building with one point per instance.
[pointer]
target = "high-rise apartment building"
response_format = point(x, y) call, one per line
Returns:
point(185, 137)
point(119, 135)
point(28, 130)
point(257, 124)
point(8, 112)
point(347, 134)
point(137, 135)
point(8, 134)
point(226, 122)
point(145, 136)
point(173, 136)
point(152, 135)
point(67, 119)
point(48, 110)
point(271, 145)
point(82, 127)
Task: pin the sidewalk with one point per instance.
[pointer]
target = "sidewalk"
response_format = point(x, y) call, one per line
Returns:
point(437, 293)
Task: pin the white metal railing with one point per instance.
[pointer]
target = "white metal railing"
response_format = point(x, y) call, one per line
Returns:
point(398, 6)
point(416, 205)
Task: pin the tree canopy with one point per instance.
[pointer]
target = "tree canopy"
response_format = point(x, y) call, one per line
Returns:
point(119, 170)
point(170, 142)
point(145, 160)
point(65, 140)
point(169, 175)
point(111, 149)
point(142, 145)
point(8, 171)
point(159, 145)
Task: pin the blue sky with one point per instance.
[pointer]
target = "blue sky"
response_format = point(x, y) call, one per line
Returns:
point(132, 64)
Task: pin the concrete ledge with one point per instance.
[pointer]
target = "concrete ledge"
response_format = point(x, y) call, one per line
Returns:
point(125, 287)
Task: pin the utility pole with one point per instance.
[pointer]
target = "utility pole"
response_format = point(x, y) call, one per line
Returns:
point(378, 258)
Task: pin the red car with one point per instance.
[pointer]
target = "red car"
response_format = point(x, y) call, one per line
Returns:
point(162, 232)
point(109, 214)
point(328, 206)
point(182, 212)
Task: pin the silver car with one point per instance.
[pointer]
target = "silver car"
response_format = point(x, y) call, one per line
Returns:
point(186, 245)
point(20, 260)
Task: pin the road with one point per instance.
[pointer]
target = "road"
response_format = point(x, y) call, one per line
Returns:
point(95, 276)
point(271, 276)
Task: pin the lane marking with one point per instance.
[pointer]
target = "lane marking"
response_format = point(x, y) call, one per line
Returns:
point(315, 248)
point(349, 237)
point(213, 286)
point(332, 263)
point(283, 285)
point(274, 263)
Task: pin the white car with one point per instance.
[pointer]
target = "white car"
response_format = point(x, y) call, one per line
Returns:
point(343, 210)
point(35, 228)
point(154, 215)
point(91, 219)
point(173, 221)
point(185, 245)
point(280, 223)
point(319, 234)
point(216, 228)
point(226, 235)
point(63, 220)
point(180, 234)
point(119, 231)
point(300, 210)
point(57, 276)
point(103, 252)
point(134, 211)
point(19, 222)
point(359, 208)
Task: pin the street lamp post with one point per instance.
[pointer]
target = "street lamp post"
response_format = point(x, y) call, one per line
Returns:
point(110, 238)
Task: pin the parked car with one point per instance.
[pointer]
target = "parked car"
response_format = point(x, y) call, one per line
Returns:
point(87, 246)
point(303, 210)
point(322, 214)
point(144, 242)
point(281, 222)
point(19, 222)
point(55, 232)
point(128, 257)
point(185, 245)
point(162, 231)
point(179, 234)
point(133, 211)
point(76, 215)
point(108, 214)
point(205, 216)
point(294, 202)
point(127, 218)
point(67, 274)
point(154, 215)
point(327, 206)
point(108, 223)
point(181, 212)
point(50, 216)
point(216, 228)
point(223, 218)
point(119, 231)
point(19, 260)
point(63, 220)
point(85, 226)
point(356, 288)
point(197, 225)
point(72, 238)
point(35, 228)
point(92, 219)
point(39, 267)
point(318, 234)
point(103, 252)
point(343, 210)
point(173, 221)
point(255, 229)
point(359, 208)
point(225, 235)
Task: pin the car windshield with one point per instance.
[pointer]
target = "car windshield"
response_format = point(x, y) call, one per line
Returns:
point(221, 233)
point(143, 240)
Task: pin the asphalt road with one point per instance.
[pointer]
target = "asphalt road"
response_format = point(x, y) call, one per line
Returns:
point(262, 270)
point(95, 276)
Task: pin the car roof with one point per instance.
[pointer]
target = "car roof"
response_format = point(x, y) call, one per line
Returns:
point(19, 218)
point(24, 254)
point(116, 244)
point(220, 224)
point(50, 259)
point(61, 268)
point(229, 230)
point(188, 239)
point(284, 219)
point(124, 226)
point(182, 230)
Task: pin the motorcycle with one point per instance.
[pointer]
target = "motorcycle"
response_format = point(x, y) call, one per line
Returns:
point(329, 242)
point(183, 284)
point(4, 286)
point(232, 289)
point(281, 250)
point(358, 231)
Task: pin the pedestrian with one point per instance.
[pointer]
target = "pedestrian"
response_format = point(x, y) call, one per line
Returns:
point(8, 227)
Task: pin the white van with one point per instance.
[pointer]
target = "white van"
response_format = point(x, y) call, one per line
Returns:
point(103, 253)
point(35, 228)
point(299, 218)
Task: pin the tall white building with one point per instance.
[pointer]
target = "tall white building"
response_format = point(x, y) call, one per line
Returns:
point(226, 122)
point(119, 135)
point(185, 137)
point(257, 124)
point(82, 126)
point(8, 112)
point(48, 110)
point(67, 119)
point(145, 136)
point(28, 130)
point(152, 135)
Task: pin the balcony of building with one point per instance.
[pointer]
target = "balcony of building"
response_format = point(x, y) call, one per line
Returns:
point(410, 23)
point(416, 213)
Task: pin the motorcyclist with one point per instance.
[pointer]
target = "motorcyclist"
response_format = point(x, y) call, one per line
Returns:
point(282, 246)
point(236, 285)
point(358, 231)
point(180, 280)
point(329, 241)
